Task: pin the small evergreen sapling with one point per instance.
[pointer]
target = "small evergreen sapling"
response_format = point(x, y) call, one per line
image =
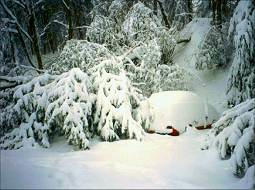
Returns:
point(116, 103)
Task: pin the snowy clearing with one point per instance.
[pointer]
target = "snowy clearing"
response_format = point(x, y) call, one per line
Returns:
point(157, 162)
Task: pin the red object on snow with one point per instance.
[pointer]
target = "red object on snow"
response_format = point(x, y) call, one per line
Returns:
point(174, 132)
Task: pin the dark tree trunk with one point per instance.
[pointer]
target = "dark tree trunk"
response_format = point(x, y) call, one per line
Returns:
point(23, 44)
point(163, 14)
point(68, 10)
point(155, 7)
point(34, 35)
point(190, 9)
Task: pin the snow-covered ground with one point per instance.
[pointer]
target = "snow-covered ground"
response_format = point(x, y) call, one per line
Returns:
point(211, 85)
point(157, 162)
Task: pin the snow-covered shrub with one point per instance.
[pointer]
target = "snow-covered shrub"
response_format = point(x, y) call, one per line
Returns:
point(49, 105)
point(104, 30)
point(70, 106)
point(8, 118)
point(149, 75)
point(167, 45)
point(170, 78)
point(31, 128)
point(211, 53)
point(234, 136)
point(81, 54)
point(144, 114)
point(141, 24)
point(241, 82)
point(143, 63)
point(118, 10)
point(183, 13)
point(116, 103)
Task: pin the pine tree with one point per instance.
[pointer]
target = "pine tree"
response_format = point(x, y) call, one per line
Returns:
point(234, 136)
point(212, 51)
point(241, 82)
point(51, 105)
point(116, 103)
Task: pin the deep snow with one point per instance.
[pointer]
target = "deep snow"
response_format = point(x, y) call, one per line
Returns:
point(157, 162)
point(180, 109)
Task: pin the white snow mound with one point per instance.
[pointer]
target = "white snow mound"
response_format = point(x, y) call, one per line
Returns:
point(179, 109)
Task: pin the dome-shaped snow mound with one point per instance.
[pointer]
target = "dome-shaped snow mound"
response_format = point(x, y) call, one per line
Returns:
point(179, 109)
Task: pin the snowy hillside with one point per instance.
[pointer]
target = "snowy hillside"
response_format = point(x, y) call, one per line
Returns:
point(211, 85)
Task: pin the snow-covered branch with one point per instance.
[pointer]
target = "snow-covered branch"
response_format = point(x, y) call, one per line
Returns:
point(9, 12)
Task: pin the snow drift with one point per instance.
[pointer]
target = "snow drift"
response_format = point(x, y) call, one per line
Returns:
point(179, 109)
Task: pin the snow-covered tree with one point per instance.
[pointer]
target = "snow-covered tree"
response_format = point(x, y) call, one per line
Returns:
point(211, 53)
point(116, 102)
point(141, 24)
point(118, 10)
point(81, 54)
point(234, 136)
point(31, 128)
point(147, 72)
point(241, 83)
point(104, 30)
point(183, 13)
point(170, 78)
point(49, 105)
point(70, 106)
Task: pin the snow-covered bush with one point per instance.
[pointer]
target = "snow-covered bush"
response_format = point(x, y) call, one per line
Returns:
point(234, 136)
point(141, 24)
point(116, 102)
point(143, 63)
point(183, 13)
point(170, 78)
point(118, 10)
point(81, 54)
point(49, 105)
point(167, 45)
point(70, 106)
point(149, 75)
point(211, 53)
point(241, 83)
point(104, 30)
point(31, 128)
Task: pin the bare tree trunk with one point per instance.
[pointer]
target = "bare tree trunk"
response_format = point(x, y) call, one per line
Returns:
point(163, 14)
point(23, 43)
point(68, 11)
point(34, 35)
point(155, 7)
point(190, 9)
